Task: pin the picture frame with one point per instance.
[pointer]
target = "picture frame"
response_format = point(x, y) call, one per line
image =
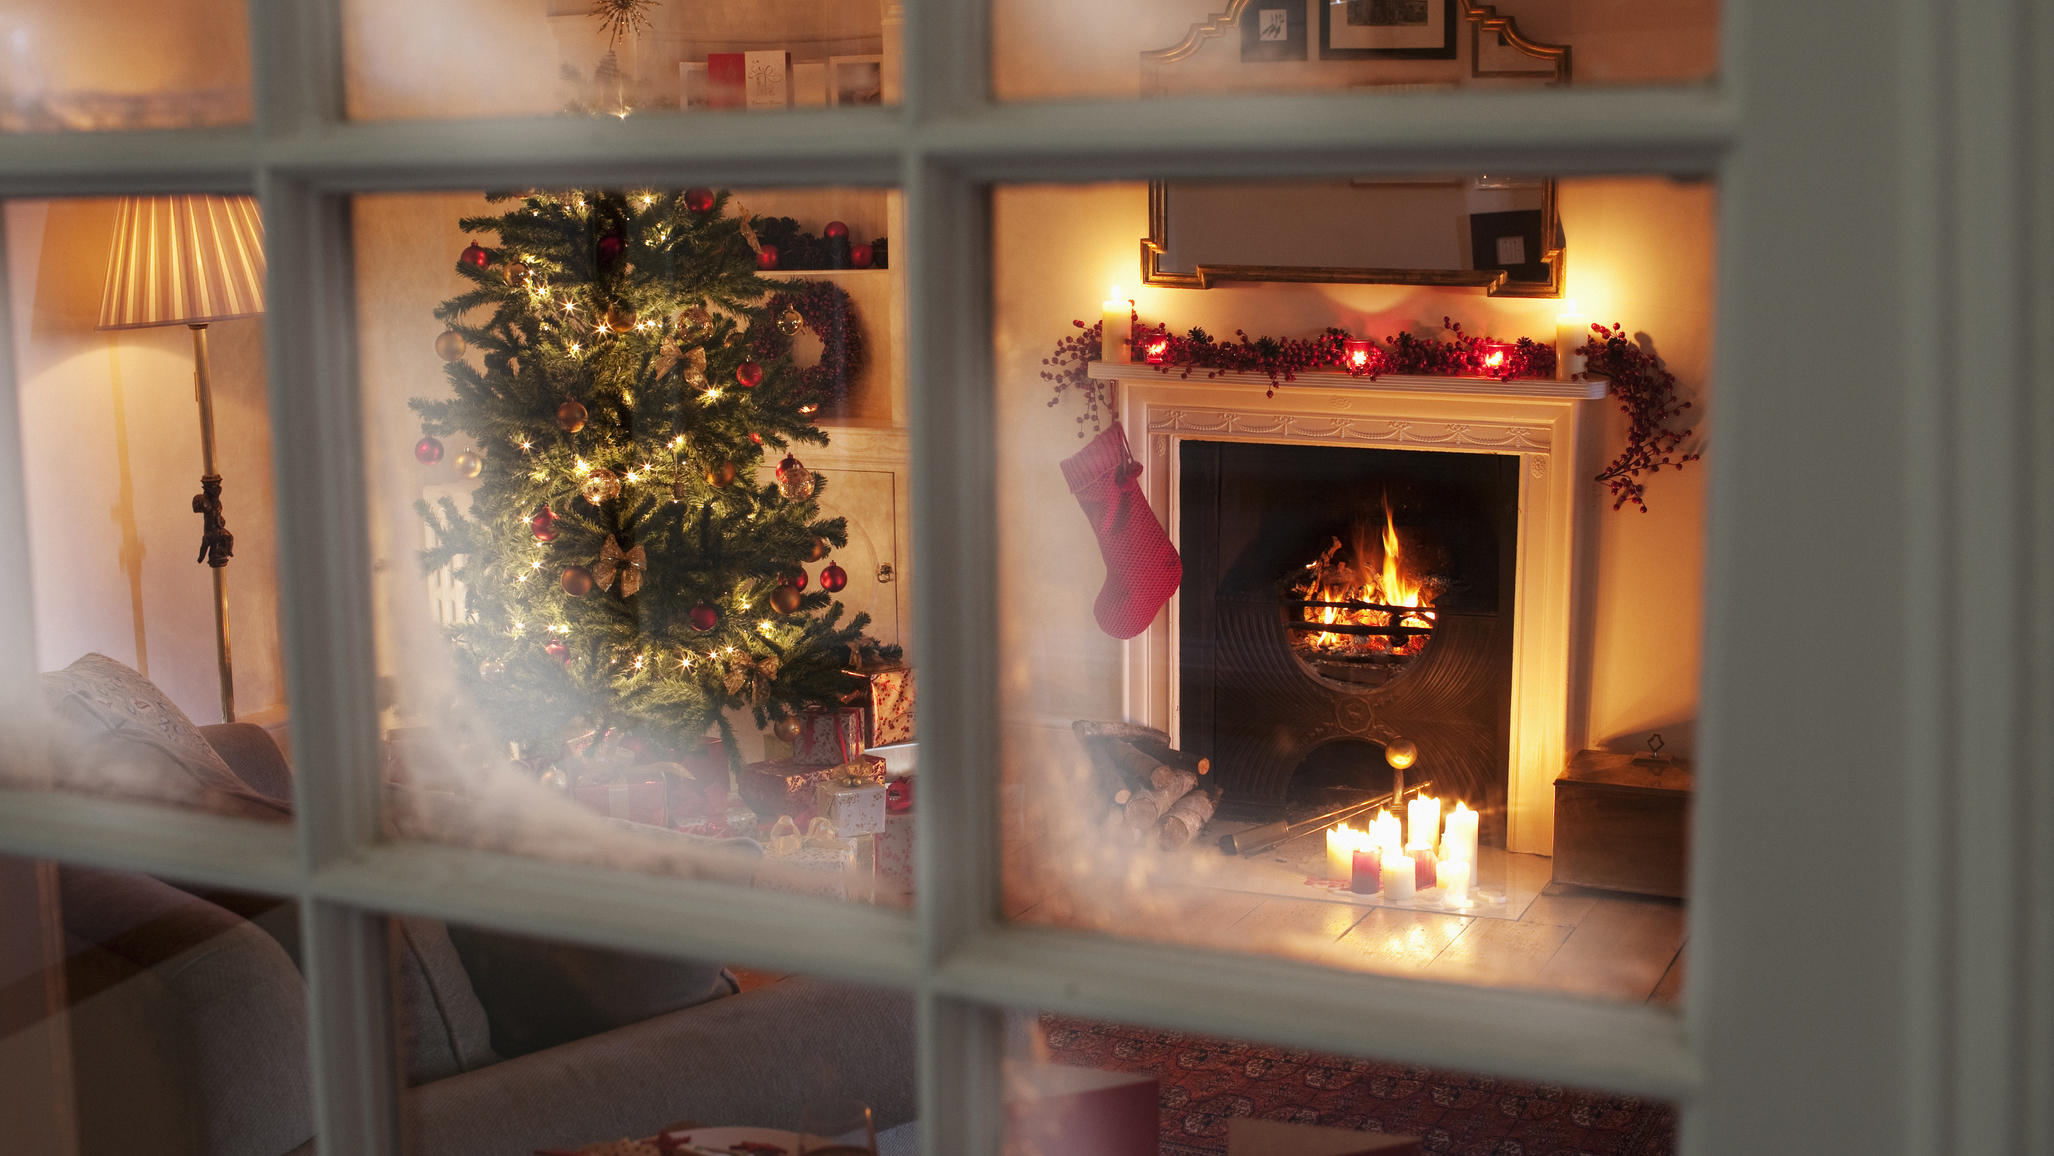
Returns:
point(1386, 29)
point(853, 80)
point(1274, 30)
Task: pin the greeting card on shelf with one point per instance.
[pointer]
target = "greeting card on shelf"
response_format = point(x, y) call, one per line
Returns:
point(769, 77)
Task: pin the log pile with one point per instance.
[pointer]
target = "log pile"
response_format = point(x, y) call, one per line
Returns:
point(1151, 787)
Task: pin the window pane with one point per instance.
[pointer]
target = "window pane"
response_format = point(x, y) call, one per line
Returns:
point(1351, 538)
point(125, 64)
point(491, 1023)
point(141, 1015)
point(157, 624)
point(1077, 1085)
point(1066, 49)
point(471, 58)
point(642, 539)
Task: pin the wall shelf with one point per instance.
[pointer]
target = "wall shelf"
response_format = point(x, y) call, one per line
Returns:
point(1532, 388)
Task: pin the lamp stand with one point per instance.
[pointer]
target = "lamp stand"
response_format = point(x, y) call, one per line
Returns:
point(216, 543)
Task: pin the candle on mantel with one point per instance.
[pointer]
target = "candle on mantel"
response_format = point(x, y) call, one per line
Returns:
point(1572, 329)
point(1423, 817)
point(1367, 874)
point(1397, 877)
point(1342, 843)
point(1355, 353)
point(1458, 839)
point(1454, 877)
point(1119, 327)
point(1384, 832)
point(1423, 867)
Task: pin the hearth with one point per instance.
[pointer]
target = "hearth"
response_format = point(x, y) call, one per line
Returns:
point(1336, 599)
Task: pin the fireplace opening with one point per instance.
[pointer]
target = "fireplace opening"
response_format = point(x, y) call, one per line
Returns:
point(1336, 599)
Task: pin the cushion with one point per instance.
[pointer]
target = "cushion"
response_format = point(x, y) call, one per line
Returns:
point(253, 756)
point(135, 743)
point(442, 1025)
point(538, 993)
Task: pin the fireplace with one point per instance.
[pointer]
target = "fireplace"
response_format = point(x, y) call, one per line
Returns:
point(1511, 462)
point(1336, 599)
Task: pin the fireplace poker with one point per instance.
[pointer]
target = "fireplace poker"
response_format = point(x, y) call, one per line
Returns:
point(1256, 840)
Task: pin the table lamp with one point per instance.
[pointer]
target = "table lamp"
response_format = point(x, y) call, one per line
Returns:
point(191, 261)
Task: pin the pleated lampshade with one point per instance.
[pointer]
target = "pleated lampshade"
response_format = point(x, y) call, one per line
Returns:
point(184, 260)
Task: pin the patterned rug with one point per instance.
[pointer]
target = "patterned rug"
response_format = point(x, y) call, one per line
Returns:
point(1205, 1081)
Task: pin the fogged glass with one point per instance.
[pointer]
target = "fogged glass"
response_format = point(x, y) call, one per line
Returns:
point(1079, 1085)
point(474, 58)
point(1063, 49)
point(511, 1043)
point(1344, 614)
point(145, 1015)
point(139, 334)
point(640, 478)
point(123, 64)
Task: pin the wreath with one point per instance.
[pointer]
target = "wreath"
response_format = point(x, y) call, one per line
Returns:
point(826, 309)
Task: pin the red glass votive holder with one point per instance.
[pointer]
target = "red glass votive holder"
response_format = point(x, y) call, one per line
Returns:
point(1156, 351)
point(1423, 864)
point(1355, 354)
point(1366, 874)
point(1497, 358)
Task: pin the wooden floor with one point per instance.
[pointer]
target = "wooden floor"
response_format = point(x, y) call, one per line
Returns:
point(1584, 942)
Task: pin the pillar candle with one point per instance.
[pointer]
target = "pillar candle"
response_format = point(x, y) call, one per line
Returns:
point(1342, 843)
point(1458, 840)
point(1423, 868)
point(1424, 825)
point(1119, 328)
point(1397, 877)
point(1384, 831)
point(1572, 329)
point(1367, 876)
point(1453, 875)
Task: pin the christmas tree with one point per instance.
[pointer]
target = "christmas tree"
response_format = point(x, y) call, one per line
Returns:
point(620, 569)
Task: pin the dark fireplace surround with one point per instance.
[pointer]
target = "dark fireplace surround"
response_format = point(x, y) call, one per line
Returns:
point(1276, 730)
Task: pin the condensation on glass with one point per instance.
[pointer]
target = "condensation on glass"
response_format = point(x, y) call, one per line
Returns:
point(1342, 585)
point(464, 58)
point(1074, 1084)
point(489, 1022)
point(640, 517)
point(1066, 49)
point(138, 334)
point(123, 64)
point(143, 1014)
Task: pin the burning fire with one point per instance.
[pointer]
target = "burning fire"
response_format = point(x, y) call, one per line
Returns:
point(1372, 572)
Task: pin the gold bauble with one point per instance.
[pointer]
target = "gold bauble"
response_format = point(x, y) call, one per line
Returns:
point(601, 486)
point(571, 415)
point(818, 550)
point(468, 464)
point(450, 345)
point(620, 319)
point(784, 599)
point(721, 475)
point(786, 728)
point(516, 273)
point(789, 321)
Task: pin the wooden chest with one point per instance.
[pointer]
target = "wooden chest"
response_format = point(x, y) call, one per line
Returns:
point(1623, 824)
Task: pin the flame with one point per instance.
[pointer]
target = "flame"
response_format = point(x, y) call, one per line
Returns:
point(1375, 573)
point(1494, 359)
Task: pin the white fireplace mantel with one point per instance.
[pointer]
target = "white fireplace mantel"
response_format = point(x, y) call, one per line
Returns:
point(1551, 425)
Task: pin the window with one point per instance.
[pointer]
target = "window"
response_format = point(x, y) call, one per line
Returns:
point(1871, 837)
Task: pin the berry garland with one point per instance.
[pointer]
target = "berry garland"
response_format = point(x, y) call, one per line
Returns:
point(828, 311)
point(1646, 390)
point(1647, 395)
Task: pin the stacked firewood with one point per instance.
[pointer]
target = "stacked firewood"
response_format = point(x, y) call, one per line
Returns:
point(1150, 788)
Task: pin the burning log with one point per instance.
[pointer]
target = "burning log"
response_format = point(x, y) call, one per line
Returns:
point(1186, 818)
point(1146, 807)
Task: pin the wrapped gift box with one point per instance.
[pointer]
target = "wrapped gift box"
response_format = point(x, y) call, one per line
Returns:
point(851, 811)
point(895, 852)
point(638, 796)
point(829, 738)
point(811, 870)
point(888, 709)
point(785, 787)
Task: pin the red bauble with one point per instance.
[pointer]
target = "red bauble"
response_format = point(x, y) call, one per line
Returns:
point(610, 246)
point(571, 415)
point(833, 578)
point(577, 581)
point(749, 374)
point(543, 525)
point(797, 581)
point(861, 256)
point(427, 451)
point(835, 229)
point(475, 255)
point(699, 198)
point(766, 257)
point(704, 618)
point(555, 648)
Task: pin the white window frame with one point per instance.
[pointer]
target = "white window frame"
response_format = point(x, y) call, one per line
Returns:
point(1871, 957)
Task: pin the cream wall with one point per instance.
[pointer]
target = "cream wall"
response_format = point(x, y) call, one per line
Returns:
point(112, 450)
point(1639, 252)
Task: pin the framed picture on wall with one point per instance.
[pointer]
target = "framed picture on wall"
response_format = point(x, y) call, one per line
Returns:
point(1390, 29)
point(1273, 30)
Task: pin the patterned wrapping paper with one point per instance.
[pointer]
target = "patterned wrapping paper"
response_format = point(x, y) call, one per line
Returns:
point(829, 737)
point(889, 710)
point(895, 852)
point(786, 787)
point(810, 870)
point(636, 796)
point(851, 810)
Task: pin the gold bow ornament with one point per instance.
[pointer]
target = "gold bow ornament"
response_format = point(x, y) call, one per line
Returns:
point(628, 564)
point(755, 674)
